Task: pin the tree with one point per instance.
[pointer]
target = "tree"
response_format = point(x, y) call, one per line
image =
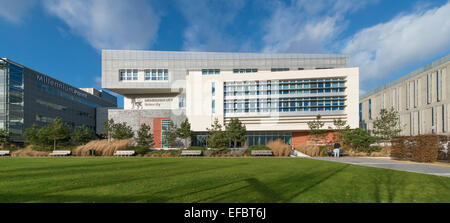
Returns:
point(386, 125)
point(315, 128)
point(341, 128)
point(122, 131)
point(235, 131)
point(81, 135)
point(31, 135)
point(108, 128)
point(184, 132)
point(358, 139)
point(216, 137)
point(170, 135)
point(144, 136)
point(57, 131)
point(4, 137)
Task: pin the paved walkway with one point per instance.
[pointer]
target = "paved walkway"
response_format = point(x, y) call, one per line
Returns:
point(393, 164)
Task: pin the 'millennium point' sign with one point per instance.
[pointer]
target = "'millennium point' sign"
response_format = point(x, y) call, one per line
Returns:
point(60, 85)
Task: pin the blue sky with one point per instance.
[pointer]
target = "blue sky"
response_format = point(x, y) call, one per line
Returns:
point(64, 38)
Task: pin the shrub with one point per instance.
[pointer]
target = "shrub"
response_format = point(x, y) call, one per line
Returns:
point(401, 147)
point(370, 149)
point(310, 150)
point(140, 150)
point(422, 148)
point(196, 148)
point(427, 149)
point(279, 148)
point(216, 152)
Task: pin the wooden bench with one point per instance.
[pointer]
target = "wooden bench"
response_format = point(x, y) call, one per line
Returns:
point(191, 152)
point(60, 153)
point(261, 152)
point(4, 153)
point(124, 153)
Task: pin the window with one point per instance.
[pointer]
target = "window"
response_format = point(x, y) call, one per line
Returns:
point(156, 75)
point(428, 88)
point(433, 126)
point(411, 123)
point(213, 105)
point(370, 109)
point(246, 70)
point(407, 95)
point(210, 71)
point(438, 96)
point(164, 127)
point(181, 102)
point(147, 75)
point(213, 89)
point(443, 118)
point(360, 112)
point(122, 75)
point(416, 87)
point(128, 75)
point(418, 122)
point(279, 69)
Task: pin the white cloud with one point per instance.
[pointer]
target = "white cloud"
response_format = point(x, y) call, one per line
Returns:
point(14, 10)
point(307, 27)
point(207, 23)
point(108, 24)
point(408, 39)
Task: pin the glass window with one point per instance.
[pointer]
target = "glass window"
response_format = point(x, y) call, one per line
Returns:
point(154, 74)
point(166, 75)
point(122, 75)
point(128, 75)
point(147, 75)
point(135, 75)
point(160, 74)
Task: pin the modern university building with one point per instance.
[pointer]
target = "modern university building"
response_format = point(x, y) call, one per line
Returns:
point(274, 95)
point(28, 97)
point(421, 97)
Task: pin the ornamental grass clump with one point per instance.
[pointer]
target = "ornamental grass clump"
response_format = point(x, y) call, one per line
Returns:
point(103, 147)
point(279, 148)
point(28, 152)
point(310, 150)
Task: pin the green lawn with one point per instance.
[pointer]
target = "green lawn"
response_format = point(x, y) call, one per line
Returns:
point(210, 180)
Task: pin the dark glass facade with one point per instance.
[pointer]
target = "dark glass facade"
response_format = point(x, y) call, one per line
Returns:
point(11, 99)
point(28, 97)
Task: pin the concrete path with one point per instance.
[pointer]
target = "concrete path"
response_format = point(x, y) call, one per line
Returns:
point(393, 164)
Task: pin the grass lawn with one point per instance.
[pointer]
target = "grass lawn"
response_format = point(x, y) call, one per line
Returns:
point(210, 180)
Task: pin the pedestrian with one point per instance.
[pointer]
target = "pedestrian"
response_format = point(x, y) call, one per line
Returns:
point(329, 152)
point(336, 149)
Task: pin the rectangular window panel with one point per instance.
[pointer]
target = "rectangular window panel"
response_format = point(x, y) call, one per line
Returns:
point(135, 75)
point(166, 75)
point(147, 75)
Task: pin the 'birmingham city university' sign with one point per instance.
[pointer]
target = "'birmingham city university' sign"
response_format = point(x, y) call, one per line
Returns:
point(57, 84)
point(154, 103)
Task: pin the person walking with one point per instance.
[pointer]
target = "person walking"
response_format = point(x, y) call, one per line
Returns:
point(336, 149)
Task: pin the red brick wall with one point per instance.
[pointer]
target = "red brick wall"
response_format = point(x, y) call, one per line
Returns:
point(157, 132)
point(302, 137)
